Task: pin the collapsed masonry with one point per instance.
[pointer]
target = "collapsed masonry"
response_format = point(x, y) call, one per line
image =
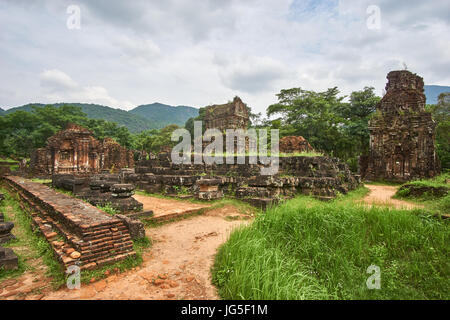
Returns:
point(232, 115)
point(79, 233)
point(8, 259)
point(402, 133)
point(322, 177)
point(294, 144)
point(75, 150)
point(103, 189)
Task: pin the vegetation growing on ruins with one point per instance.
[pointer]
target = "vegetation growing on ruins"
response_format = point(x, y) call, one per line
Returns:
point(109, 209)
point(32, 244)
point(328, 123)
point(307, 249)
point(435, 204)
point(29, 244)
point(332, 125)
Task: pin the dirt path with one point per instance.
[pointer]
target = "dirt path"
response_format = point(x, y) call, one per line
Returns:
point(169, 208)
point(177, 266)
point(382, 196)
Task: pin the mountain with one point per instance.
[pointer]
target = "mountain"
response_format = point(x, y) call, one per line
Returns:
point(165, 114)
point(1, 111)
point(432, 93)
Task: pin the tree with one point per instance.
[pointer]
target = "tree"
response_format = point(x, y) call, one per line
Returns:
point(313, 115)
point(441, 114)
point(326, 121)
point(21, 131)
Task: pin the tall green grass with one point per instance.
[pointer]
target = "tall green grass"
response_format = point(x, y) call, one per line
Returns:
point(434, 204)
point(306, 249)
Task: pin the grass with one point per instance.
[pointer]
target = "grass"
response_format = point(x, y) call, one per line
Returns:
point(9, 160)
point(29, 244)
point(139, 246)
point(109, 209)
point(37, 246)
point(433, 204)
point(307, 249)
point(43, 181)
point(242, 206)
point(441, 180)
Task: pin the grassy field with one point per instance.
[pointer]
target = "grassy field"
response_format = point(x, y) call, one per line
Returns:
point(438, 205)
point(307, 249)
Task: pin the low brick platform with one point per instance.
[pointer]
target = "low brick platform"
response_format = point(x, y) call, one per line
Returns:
point(79, 233)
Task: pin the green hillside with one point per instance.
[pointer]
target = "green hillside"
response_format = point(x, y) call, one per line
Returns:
point(165, 114)
point(1, 111)
point(151, 119)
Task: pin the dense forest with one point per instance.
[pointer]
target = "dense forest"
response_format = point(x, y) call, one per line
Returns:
point(331, 123)
point(145, 117)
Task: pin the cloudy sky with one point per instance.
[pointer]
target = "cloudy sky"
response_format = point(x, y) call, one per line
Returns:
point(196, 53)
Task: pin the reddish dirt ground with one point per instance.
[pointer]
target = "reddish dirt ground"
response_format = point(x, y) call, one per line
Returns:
point(177, 265)
point(382, 196)
point(163, 207)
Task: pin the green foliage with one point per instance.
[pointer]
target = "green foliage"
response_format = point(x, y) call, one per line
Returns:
point(139, 119)
point(164, 115)
point(435, 204)
point(31, 239)
point(23, 131)
point(154, 140)
point(109, 209)
point(441, 114)
point(307, 249)
point(441, 180)
point(329, 124)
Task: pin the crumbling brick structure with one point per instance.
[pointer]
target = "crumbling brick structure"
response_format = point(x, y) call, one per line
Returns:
point(293, 144)
point(320, 176)
point(75, 150)
point(402, 133)
point(233, 115)
point(78, 233)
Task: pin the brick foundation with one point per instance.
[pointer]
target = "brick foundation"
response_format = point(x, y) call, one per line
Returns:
point(71, 225)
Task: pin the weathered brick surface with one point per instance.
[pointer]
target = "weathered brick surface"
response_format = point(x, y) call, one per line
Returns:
point(402, 133)
point(233, 115)
point(292, 144)
point(75, 150)
point(322, 177)
point(98, 237)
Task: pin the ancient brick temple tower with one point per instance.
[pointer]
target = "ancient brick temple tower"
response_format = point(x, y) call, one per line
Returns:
point(75, 150)
point(232, 115)
point(402, 133)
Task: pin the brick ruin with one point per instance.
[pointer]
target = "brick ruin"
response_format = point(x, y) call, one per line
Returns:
point(322, 177)
point(8, 259)
point(402, 133)
point(103, 189)
point(78, 233)
point(293, 144)
point(232, 115)
point(75, 150)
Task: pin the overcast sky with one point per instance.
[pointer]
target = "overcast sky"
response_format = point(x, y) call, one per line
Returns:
point(201, 52)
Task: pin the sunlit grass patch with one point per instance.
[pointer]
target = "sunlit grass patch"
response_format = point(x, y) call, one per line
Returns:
point(307, 249)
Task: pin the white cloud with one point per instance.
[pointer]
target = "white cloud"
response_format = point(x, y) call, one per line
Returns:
point(249, 73)
point(60, 87)
point(56, 80)
point(203, 52)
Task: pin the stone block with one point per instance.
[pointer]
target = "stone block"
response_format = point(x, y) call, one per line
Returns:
point(8, 259)
point(135, 227)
